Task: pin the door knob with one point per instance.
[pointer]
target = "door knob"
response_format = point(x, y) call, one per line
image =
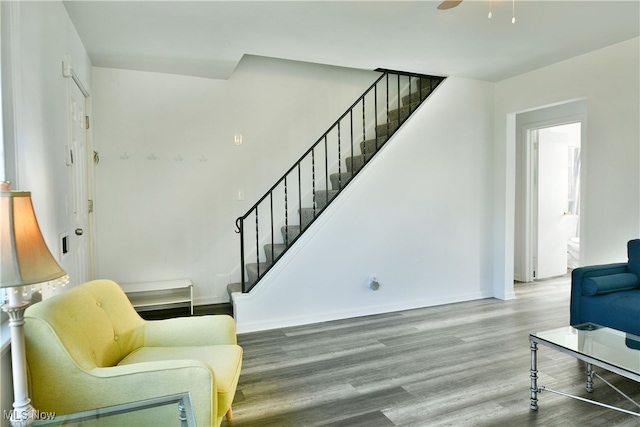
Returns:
point(79, 231)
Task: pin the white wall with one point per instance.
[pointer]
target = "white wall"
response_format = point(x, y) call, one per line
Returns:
point(608, 80)
point(418, 218)
point(40, 34)
point(167, 208)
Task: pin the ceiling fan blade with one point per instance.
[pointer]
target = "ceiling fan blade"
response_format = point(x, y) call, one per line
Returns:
point(448, 4)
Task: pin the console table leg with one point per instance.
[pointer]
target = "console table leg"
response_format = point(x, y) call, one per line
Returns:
point(589, 377)
point(534, 376)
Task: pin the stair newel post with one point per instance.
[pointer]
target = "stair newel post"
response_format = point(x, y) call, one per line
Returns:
point(240, 227)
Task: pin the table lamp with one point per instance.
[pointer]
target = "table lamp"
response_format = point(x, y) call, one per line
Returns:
point(25, 261)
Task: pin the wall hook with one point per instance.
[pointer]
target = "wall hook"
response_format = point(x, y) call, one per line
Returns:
point(178, 158)
point(124, 156)
point(202, 159)
point(152, 156)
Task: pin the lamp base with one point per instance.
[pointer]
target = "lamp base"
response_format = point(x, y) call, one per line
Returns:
point(23, 414)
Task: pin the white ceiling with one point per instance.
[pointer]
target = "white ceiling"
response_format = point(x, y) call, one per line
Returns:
point(208, 38)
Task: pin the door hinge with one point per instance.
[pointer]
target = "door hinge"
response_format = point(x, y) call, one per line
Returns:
point(90, 206)
point(86, 122)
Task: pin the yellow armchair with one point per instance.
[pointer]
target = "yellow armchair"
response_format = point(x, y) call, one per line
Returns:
point(88, 348)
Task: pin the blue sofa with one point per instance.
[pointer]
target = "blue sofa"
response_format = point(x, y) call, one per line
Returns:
point(608, 295)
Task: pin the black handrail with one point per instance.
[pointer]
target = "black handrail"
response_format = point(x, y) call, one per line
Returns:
point(434, 81)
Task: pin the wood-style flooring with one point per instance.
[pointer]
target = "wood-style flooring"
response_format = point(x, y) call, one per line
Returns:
point(464, 364)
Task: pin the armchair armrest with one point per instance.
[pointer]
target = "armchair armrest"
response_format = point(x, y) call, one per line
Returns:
point(190, 331)
point(580, 274)
point(100, 387)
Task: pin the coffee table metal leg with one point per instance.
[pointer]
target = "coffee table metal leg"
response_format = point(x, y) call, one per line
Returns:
point(589, 377)
point(534, 376)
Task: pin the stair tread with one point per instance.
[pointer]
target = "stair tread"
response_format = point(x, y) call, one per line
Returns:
point(234, 287)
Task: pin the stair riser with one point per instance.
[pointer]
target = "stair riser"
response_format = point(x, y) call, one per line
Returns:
point(415, 96)
point(308, 214)
point(270, 254)
point(404, 112)
point(324, 196)
point(339, 181)
point(386, 129)
point(289, 233)
point(371, 146)
point(253, 269)
point(358, 162)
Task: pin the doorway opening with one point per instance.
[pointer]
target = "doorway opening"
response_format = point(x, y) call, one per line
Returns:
point(544, 137)
point(554, 153)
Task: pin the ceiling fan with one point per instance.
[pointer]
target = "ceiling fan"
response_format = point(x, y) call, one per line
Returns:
point(449, 4)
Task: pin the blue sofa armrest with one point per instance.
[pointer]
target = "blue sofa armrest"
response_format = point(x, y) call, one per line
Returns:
point(580, 274)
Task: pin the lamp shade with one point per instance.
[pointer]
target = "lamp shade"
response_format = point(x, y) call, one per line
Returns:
point(26, 260)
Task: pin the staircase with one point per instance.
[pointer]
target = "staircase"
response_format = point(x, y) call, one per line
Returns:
point(293, 203)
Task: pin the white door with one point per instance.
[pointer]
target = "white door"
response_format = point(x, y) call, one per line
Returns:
point(552, 203)
point(77, 159)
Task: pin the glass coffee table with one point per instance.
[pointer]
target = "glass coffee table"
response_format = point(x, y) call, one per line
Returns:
point(610, 349)
point(166, 411)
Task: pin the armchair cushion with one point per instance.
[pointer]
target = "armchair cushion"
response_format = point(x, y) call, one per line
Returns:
point(599, 285)
point(224, 361)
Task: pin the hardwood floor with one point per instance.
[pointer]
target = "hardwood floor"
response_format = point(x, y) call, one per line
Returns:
point(464, 364)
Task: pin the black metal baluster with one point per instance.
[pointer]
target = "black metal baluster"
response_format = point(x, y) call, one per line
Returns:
point(313, 180)
point(257, 247)
point(326, 170)
point(388, 106)
point(286, 214)
point(351, 127)
point(398, 96)
point(375, 107)
point(273, 259)
point(364, 126)
point(339, 164)
point(300, 196)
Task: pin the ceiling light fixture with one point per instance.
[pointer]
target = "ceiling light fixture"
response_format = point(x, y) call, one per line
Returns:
point(513, 19)
point(490, 12)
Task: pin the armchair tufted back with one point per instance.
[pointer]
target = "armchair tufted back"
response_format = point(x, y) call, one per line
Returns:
point(94, 322)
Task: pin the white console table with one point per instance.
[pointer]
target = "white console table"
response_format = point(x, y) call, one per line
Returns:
point(160, 295)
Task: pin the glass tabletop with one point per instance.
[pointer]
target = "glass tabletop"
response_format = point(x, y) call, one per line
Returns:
point(607, 345)
point(174, 410)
